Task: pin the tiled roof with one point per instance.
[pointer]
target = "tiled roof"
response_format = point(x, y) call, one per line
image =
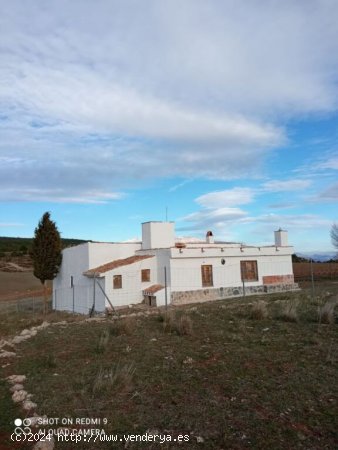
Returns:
point(117, 263)
point(152, 289)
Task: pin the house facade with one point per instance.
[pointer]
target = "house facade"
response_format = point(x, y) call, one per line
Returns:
point(161, 270)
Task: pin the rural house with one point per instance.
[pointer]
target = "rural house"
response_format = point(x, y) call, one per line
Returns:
point(161, 269)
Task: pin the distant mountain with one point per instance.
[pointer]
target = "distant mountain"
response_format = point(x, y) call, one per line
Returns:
point(319, 257)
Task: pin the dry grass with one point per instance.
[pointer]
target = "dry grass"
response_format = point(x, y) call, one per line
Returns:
point(326, 313)
point(118, 376)
point(179, 324)
point(121, 327)
point(223, 384)
point(103, 341)
point(289, 312)
point(259, 310)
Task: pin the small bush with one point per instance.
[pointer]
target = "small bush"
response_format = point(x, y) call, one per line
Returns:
point(122, 326)
point(259, 310)
point(289, 312)
point(160, 318)
point(326, 313)
point(103, 342)
point(119, 376)
point(48, 361)
point(181, 325)
point(185, 327)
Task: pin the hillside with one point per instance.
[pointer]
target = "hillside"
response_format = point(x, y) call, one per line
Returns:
point(22, 245)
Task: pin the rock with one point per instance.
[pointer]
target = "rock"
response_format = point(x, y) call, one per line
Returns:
point(4, 343)
point(16, 387)
point(18, 339)
point(28, 405)
point(19, 396)
point(25, 332)
point(188, 360)
point(5, 354)
point(14, 379)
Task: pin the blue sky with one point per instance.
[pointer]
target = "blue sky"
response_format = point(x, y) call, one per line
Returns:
point(223, 112)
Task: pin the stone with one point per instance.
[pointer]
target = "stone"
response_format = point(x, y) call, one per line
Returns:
point(14, 379)
point(19, 396)
point(4, 343)
point(29, 405)
point(5, 354)
point(18, 339)
point(25, 332)
point(16, 387)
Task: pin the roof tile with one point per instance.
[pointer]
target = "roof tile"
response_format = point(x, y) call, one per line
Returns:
point(116, 264)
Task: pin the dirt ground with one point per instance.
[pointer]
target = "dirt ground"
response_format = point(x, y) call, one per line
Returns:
point(15, 285)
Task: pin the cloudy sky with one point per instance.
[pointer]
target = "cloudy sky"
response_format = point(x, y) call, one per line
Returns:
point(221, 114)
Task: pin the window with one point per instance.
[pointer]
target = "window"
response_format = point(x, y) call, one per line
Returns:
point(206, 276)
point(117, 281)
point(249, 271)
point(145, 275)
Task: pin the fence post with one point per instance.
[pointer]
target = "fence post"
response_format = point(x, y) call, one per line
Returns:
point(165, 288)
point(312, 281)
point(243, 282)
point(73, 287)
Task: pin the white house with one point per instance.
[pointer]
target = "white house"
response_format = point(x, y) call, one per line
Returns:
point(161, 269)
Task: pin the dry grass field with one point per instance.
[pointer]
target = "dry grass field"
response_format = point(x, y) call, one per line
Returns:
point(257, 373)
point(17, 283)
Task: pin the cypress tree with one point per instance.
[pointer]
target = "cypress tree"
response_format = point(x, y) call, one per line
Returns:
point(46, 251)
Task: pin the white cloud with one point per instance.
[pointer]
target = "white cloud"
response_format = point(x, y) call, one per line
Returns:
point(10, 224)
point(329, 194)
point(95, 96)
point(226, 198)
point(59, 196)
point(286, 185)
point(331, 163)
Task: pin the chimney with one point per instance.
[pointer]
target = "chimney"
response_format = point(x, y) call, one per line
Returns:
point(158, 235)
point(281, 238)
point(209, 237)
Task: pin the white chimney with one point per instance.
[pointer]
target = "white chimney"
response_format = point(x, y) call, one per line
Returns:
point(209, 237)
point(158, 235)
point(281, 238)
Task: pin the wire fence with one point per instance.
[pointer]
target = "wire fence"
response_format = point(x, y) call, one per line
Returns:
point(219, 278)
point(224, 279)
point(305, 271)
point(33, 305)
point(78, 299)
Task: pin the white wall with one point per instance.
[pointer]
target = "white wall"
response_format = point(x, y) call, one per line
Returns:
point(132, 286)
point(74, 263)
point(102, 253)
point(186, 272)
